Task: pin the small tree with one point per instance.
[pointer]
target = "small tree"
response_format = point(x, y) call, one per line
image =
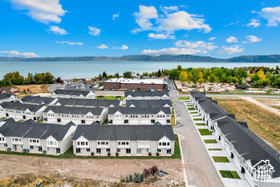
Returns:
point(142, 177)
point(126, 179)
point(130, 178)
point(155, 170)
point(179, 67)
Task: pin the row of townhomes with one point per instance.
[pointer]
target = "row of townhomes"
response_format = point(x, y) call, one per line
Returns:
point(139, 116)
point(7, 98)
point(94, 139)
point(258, 162)
point(147, 95)
point(75, 94)
point(33, 137)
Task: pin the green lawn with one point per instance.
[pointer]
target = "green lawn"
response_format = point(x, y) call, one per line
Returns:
point(172, 102)
point(229, 174)
point(200, 124)
point(215, 149)
point(220, 159)
point(190, 109)
point(210, 141)
point(108, 97)
point(3, 118)
point(197, 119)
point(41, 121)
point(205, 132)
point(183, 98)
point(173, 111)
point(20, 120)
point(193, 112)
point(69, 154)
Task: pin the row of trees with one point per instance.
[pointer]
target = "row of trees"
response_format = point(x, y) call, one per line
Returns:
point(15, 78)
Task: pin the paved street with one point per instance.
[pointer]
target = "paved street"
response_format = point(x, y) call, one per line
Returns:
point(200, 170)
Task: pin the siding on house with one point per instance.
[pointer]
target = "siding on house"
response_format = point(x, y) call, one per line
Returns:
point(126, 140)
point(147, 95)
point(7, 98)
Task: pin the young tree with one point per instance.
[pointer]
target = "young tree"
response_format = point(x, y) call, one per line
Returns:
point(212, 78)
point(104, 74)
point(183, 76)
point(179, 67)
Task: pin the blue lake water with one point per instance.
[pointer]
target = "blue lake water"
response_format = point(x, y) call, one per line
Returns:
point(79, 69)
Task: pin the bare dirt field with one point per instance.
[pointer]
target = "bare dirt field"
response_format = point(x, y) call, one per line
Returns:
point(97, 169)
point(261, 121)
point(272, 102)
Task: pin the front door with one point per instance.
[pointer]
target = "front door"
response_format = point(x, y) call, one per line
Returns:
point(14, 147)
point(57, 150)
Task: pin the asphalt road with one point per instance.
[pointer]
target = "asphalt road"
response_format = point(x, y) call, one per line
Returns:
point(199, 168)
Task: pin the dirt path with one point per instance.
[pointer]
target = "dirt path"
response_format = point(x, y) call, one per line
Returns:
point(271, 109)
point(99, 169)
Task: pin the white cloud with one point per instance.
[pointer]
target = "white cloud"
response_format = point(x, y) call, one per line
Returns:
point(116, 16)
point(169, 22)
point(232, 39)
point(44, 11)
point(161, 36)
point(143, 17)
point(231, 50)
point(212, 38)
point(169, 9)
point(94, 31)
point(69, 43)
point(123, 47)
point(253, 39)
point(16, 53)
point(57, 30)
point(102, 46)
point(272, 14)
point(170, 51)
point(201, 45)
point(254, 23)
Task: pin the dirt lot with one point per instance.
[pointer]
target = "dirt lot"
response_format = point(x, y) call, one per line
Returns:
point(33, 89)
point(272, 102)
point(261, 121)
point(98, 169)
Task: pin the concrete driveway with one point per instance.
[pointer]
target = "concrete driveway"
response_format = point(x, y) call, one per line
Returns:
point(200, 170)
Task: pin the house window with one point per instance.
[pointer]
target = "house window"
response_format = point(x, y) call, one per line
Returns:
point(168, 151)
point(127, 143)
point(118, 150)
point(58, 120)
point(108, 150)
point(128, 151)
point(148, 150)
point(153, 121)
point(39, 148)
point(168, 121)
point(31, 147)
point(83, 121)
point(98, 151)
point(119, 143)
point(126, 121)
point(159, 150)
point(78, 150)
point(139, 151)
point(5, 145)
point(88, 149)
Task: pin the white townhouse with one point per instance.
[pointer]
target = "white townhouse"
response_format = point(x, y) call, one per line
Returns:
point(124, 140)
point(75, 94)
point(139, 116)
point(148, 103)
point(8, 98)
point(31, 137)
point(20, 111)
point(195, 96)
point(78, 115)
point(37, 100)
point(91, 103)
point(147, 95)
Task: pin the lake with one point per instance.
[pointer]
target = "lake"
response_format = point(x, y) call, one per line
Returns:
point(86, 69)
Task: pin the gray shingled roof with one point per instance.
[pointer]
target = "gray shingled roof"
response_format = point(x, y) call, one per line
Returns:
point(124, 132)
point(5, 96)
point(146, 93)
point(134, 110)
point(20, 106)
point(248, 144)
point(148, 103)
point(72, 92)
point(212, 108)
point(74, 110)
point(88, 102)
point(37, 100)
point(29, 129)
point(198, 95)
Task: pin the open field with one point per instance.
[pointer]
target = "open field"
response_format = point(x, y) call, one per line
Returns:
point(272, 102)
point(102, 169)
point(39, 88)
point(262, 122)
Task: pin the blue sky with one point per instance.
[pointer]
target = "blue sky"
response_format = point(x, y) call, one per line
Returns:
point(31, 28)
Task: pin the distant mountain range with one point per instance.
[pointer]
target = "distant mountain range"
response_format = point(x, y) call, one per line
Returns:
point(169, 58)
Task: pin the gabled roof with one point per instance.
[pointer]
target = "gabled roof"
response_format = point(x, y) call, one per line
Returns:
point(148, 103)
point(198, 95)
point(248, 144)
point(137, 110)
point(212, 108)
point(93, 103)
point(6, 96)
point(146, 93)
point(37, 100)
point(34, 130)
point(72, 92)
point(124, 132)
point(20, 106)
point(74, 110)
